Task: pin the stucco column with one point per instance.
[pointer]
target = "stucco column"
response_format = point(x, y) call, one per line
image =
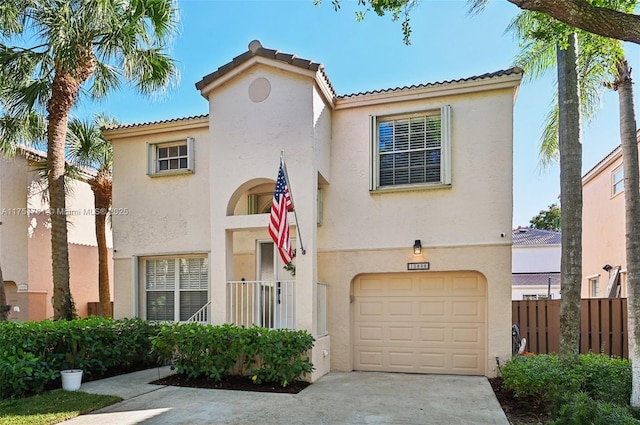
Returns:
point(305, 198)
point(220, 269)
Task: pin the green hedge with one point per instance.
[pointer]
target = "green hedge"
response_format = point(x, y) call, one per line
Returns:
point(33, 353)
point(261, 354)
point(598, 387)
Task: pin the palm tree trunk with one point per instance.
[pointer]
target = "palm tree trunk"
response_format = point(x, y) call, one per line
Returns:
point(3, 300)
point(64, 92)
point(570, 199)
point(102, 199)
point(629, 141)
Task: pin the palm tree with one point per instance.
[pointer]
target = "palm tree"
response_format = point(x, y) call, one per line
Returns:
point(87, 148)
point(71, 47)
point(629, 142)
point(570, 149)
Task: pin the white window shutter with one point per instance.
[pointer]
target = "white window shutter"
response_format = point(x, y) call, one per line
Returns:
point(190, 154)
point(373, 153)
point(445, 114)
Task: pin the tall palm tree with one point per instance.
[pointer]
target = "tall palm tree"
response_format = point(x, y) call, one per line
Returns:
point(61, 49)
point(570, 148)
point(623, 85)
point(87, 147)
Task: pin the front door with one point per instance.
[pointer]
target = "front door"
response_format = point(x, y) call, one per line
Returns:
point(275, 292)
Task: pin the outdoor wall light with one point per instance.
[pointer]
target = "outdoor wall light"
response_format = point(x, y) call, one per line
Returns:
point(417, 247)
point(607, 267)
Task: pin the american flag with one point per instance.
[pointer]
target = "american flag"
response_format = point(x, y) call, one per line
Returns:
point(279, 225)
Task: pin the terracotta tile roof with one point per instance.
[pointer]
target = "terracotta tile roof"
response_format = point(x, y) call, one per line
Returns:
point(530, 279)
point(256, 49)
point(143, 124)
point(510, 71)
point(528, 236)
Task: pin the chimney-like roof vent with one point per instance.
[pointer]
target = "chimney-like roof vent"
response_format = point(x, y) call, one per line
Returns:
point(255, 45)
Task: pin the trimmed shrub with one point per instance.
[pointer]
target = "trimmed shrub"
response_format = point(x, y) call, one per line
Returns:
point(264, 355)
point(33, 353)
point(605, 378)
point(580, 409)
point(542, 377)
point(596, 390)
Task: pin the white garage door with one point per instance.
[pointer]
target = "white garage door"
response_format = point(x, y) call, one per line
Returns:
point(420, 323)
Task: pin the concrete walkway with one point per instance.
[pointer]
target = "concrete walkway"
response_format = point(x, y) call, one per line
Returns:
point(337, 398)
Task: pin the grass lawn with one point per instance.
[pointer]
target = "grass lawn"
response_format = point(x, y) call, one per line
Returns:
point(51, 407)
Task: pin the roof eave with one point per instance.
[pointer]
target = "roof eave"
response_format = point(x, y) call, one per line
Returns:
point(511, 81)
point(156, 127)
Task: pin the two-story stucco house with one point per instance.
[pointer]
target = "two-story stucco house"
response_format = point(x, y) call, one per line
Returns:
point(25, 240)
point(604, 264)
point(536, 258)
point(372, 174)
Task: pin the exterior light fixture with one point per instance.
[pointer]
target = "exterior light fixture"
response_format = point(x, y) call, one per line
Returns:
point(607, 267)
point(417, 247)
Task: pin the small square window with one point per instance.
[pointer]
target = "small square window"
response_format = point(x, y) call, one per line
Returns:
point(171, 157)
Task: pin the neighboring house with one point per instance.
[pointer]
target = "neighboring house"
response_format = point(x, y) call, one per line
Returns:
point(536, 257)
point(25, 240)
point(370, 174)
point(604, 265)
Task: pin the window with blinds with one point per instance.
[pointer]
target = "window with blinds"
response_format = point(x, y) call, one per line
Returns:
point(176, 288)
point(411, 149)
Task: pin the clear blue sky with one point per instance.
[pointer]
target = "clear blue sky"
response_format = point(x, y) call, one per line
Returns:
point(360, 56)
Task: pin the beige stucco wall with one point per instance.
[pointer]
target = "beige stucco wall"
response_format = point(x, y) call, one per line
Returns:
point(603, 227)
point(162, 215)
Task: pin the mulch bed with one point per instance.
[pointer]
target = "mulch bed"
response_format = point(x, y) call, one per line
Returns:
point(519, 410)
point(239, 383)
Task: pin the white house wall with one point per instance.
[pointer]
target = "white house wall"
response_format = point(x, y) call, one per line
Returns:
point(536, 259)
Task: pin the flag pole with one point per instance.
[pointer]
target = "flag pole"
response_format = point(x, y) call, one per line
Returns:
point(295, 213)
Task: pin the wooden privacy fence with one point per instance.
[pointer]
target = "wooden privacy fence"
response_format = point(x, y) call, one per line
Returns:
point(603, 325)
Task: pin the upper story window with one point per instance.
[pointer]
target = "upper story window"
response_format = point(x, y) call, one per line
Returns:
point(411, 149)
point(171, 157)
point(617, 181)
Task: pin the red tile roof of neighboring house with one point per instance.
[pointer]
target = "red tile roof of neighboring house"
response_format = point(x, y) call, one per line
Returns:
point(529, 236)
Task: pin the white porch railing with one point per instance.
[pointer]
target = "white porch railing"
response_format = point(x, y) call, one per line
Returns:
point(270, 304)
point(202, 315)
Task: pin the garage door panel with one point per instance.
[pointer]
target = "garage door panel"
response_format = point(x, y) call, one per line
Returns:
point(424, 323)
point(469, 286)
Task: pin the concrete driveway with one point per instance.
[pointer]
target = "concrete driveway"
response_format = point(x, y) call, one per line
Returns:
point(337, 398)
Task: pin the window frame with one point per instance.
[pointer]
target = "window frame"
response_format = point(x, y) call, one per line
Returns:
point(177, 290)
point(594, 287)
point(153, 169)
point(617, 185)
point(445, 149)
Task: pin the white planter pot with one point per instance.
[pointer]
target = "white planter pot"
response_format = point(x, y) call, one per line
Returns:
point(71, 379)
